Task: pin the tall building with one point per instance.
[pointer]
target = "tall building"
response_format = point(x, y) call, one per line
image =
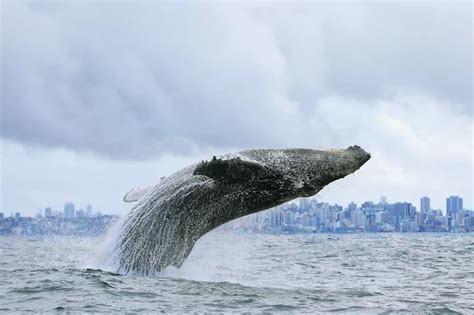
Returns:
point(48, 212)
point(80, 213)
point(383, 200)
point(276, 218)
point(88, 210)
point(352, 206)
point(368, 205)
point(425, 204)
point(453, 205)
point(403, 209)
point(69, 210)
point(304, 203)
point(1, 215)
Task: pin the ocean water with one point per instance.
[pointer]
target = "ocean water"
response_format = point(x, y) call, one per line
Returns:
point(228, 272)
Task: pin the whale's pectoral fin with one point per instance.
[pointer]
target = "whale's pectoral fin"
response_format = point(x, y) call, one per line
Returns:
point(229, 171)
point(136, 193)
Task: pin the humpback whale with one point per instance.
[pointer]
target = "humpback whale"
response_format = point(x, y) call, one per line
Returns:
point(167, 220)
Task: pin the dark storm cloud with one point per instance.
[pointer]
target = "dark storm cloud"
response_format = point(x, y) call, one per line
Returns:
point(130, 81)
point(415, 46)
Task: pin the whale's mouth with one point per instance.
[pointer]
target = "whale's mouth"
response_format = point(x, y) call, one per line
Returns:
point(365, 158)
point(361, 156)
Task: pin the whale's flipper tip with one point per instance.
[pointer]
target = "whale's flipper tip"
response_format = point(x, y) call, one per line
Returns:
point(136, 193)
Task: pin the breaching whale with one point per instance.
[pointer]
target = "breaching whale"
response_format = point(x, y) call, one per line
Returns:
point(168, 219)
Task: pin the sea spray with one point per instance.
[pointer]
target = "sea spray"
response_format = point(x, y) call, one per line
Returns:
point(103, 256)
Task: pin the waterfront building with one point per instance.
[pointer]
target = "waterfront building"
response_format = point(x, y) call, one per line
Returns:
point(277, 218)
point(402, 209)
point(425, 204)
point(69, 210)
point(358, 219)
point(379, 218)
point(48, 212)
point(368, 205)
point(304, 203)
point(352, 207)
point(290, 218)
point(88, 211)
point(453, 205)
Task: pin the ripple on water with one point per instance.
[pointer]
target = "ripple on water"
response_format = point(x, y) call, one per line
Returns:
point(396, 273)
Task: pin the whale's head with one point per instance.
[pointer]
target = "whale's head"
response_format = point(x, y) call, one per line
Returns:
point(310, 170)
point(290, 173)
point(319, 168)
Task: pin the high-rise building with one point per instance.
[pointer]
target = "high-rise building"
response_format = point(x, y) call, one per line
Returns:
point(368, 205)
point(403, 209)
point(276, 218)
point(352, 206)
point(453, 205)
point(48, 212)
point(383, 200)
point(1, 215)
point(80, 213)
point(304, 203)
point(69, 210)
point(425, 204)
point(88, 210)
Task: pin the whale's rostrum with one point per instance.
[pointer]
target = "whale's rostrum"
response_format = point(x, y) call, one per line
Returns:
point(162, 228)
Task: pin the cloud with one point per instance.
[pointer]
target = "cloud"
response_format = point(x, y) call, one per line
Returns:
point(130, 87)
point(418, 148)
point(133, 82)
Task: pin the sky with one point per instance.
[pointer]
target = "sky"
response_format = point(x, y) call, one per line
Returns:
point(99, 97)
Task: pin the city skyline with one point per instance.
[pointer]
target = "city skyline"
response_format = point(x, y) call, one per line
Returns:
point(69, 208)
point(315, 217)
point(306, 215)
